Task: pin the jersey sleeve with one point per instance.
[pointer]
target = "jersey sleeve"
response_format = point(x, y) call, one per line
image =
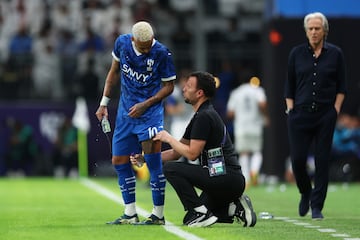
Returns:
point(116, 53)
point(167, 67)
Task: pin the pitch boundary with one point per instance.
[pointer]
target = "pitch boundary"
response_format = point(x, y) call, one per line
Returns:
point(170, 227)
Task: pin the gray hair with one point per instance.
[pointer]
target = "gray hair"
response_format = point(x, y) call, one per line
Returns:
point(142, 31)
point(321, 16)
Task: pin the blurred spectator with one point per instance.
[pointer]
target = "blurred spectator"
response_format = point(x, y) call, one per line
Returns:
point(119, 20)
point(181, 39)
point(94, 15)
point(66, 16)
point(22, 149)
point(228, 79)
point(21, 61)
point(183, 6)
point(142, 10)
point(92, 42)
point(112, 33)
point(2, 38)
point(92, 47)
point(9, 83)
point(346, 140)
point(94, 23)
point(88, 82)
point(66, 150)
point(233, 33)
point(160, 15)
point(67, 49)
point(27, 13)
point(247, 106)
point(46, 69)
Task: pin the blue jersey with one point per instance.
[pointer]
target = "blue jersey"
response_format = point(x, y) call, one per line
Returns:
point(142, 76)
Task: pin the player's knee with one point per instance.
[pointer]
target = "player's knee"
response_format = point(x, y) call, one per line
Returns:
point(117, 160)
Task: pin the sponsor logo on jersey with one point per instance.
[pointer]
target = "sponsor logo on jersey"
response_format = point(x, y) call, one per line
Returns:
point(134, 75)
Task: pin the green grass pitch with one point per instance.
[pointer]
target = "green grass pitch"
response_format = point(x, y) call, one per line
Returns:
point(56, 209)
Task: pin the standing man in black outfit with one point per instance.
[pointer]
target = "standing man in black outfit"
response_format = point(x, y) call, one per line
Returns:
point(218, 175)
point(314, 93)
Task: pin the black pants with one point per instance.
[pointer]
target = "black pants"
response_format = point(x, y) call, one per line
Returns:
point(306, 128)
point(217, 192)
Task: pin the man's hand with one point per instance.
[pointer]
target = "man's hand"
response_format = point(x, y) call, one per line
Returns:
point(163, 136)
point(102, 112)
point(137, 159)
point(137, 110)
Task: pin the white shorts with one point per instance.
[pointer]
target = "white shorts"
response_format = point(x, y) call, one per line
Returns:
point(248, 143)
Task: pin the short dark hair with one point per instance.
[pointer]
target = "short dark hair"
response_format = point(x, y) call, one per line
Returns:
point(205, 82)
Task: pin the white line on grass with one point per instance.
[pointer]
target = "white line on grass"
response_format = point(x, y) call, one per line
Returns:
point(170, 227)
point(326, 230)
point(322, 230)
point(340, 235)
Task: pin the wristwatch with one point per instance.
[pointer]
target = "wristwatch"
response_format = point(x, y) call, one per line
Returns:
point(288, 110)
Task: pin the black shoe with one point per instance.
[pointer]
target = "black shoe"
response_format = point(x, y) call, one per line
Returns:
point(125, 219)
point(197, 219)
point(188, 216)
point(244, 211)
point(316, 214)
point(304, 204)
point(152, 220)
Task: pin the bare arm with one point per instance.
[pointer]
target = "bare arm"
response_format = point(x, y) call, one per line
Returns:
point(264, 112)
point(191, 150)
point(230, 114)
point(167, 155)
point(112, 79)
point(171, 154)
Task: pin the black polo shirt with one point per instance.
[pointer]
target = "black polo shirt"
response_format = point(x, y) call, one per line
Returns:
point(314, 80)
point(207, 125)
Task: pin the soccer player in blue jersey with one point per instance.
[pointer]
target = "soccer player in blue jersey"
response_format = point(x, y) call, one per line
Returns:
point(147, 73)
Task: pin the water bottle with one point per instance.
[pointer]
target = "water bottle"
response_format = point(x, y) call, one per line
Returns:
point(105, 124)
point(265, 215)
point(139, 163)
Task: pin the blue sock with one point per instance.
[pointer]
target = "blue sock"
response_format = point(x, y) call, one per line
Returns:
point(157, 178)
point(127, 182)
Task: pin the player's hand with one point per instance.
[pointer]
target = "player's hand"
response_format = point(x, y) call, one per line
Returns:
point(137, 110)
point(137, 159)
point(102, 112)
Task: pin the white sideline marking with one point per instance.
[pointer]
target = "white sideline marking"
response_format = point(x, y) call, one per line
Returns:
point(326, 230)
point(340, 235)
point(322, 230)
point(301, 223)
point(291, 220)
point(312, 226)
point(170, 227)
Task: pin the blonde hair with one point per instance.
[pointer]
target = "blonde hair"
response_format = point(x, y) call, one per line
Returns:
point(142, 31)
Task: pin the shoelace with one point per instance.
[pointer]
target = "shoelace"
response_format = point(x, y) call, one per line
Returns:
point(241, 216)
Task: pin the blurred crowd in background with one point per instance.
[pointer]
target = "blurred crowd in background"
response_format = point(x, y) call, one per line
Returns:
point(57, 50)
point(61, 49)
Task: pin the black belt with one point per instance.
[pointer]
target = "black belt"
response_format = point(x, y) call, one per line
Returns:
point(313, 107)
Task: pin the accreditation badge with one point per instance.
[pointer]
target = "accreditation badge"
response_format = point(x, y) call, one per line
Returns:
point(216, 162)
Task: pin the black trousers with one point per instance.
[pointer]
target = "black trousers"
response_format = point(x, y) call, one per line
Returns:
point(217, 192)
point(305, 128)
